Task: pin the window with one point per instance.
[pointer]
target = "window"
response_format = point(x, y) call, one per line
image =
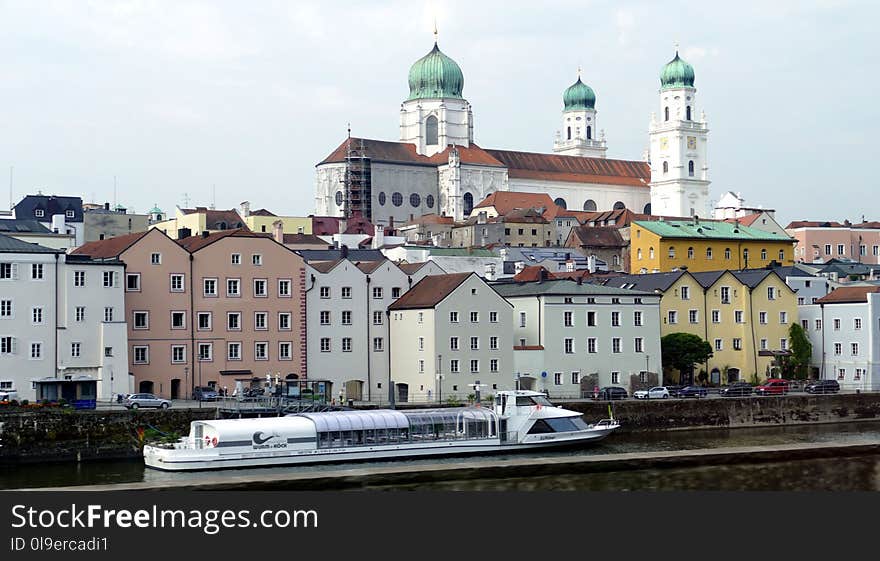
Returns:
point(37, 315)
point(325, 292)
point(841, 373)
point(421, 366)
point(801, 300)
point(475, 365)
point(141, 320)
point(591, 319)
point(284, 321)
point(132, 282)
point(39, 213)
point(79, 277)
point(716, 316)
point(591, 345)
point(818, 325)
point(9, 271)
point(110, 279)
point(260, 290)
point(615, 345)
point(37, 271)
point(783, 318)
point(75, 349)
point(475, 343)
point(6, 310)
point(108, 314)
point(260, 321)
point(840, 248)
point(783, 344)
point(395, 292)
point(261, 350)
point(233, 321)
point(615, 319)
point(827, 249)
point(639, 344)
point(493, 317)
point(771, 293)
point(522, 319)
point(690, 253)
point(284, 288)
point(178, 320)
point(378, 344)
point(421, 343)
point(453, 366)
point(725, 295)
point(108, 351)
point(431, 132)
point(763, 344)
point(233, 351)
point(672, 252)
point(854, 347)
point(233, 288)
point(80, 313)
point(493, 343)
point(206, 352)
point(838, 349)
point(155, 259)
point(325, 317)
point(672, 317)
point(178, 354)
point(836, 324)
point(475, 317)
point(685, 293)
point(210, 287)
point(569, 346)
point(257, 259)
point(377, 318)
point(693, 316)
point(141, 355)
point(557, 378)
point(204, 321)
point(690, 163)
point(762, 318)
point(615, 377)
point(637, 318)
point(763, 254)
point(708, 253)
point(346, 292)
point(568, 321)
point(493, 365)
point(36, 351)
point(377, 292)
point(737, 344)
point(325, 344)
point(738, 316)
point(235, 259)
point(805, 324)
point(719, 344)
point(421, 316)
point(859, 372)
point(666, 164)
point(176, 283)
point(746, 255)
point(453, 317)
point(346, 317)
point(453, 343)
point(857, 323)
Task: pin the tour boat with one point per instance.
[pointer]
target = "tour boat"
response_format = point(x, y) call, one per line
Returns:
point(518, 420)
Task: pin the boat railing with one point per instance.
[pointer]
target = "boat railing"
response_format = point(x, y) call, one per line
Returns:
point(606, 423)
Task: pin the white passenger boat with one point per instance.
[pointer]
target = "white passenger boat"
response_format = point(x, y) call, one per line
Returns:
point(518, 420)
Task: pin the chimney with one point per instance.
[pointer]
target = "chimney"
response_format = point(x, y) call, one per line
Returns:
point(490, 271)
point(504, 253)
point(206, 233)
point(106, 206)
point(591, 264)
point(183, 233)
point(518, 267)
point(58, 223)
point(378, 237)
point(245, 209)
point(580, 280)
point(569, 265)
point(278, 231)
point(344, 251)
point(481, 217)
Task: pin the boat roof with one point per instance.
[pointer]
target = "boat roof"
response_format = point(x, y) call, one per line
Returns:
point(332, 421)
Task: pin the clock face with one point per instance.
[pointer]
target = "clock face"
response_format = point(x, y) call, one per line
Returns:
point(692, 143)
point(664, 143)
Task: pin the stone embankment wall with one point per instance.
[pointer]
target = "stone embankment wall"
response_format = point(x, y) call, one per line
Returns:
point(67, 435)
point(722, 412)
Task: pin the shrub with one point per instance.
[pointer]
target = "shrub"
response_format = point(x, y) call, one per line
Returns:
point(25, 402)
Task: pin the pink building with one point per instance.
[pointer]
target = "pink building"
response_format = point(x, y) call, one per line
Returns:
point(817, 242)
point(209, 310)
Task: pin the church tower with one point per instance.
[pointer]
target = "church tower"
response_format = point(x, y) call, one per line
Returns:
point(435, 114)
point(579, 132)
point(679, 165)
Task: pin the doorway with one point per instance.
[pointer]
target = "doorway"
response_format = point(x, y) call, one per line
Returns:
point(175, 388)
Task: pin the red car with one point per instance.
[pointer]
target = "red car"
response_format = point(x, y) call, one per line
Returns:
point(773, 386)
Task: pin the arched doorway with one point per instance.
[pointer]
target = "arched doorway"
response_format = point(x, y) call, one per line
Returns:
point(292, 377)
point(732, 375)
point(175, 388)
point(647, 208)
point(561, 202)
point(354, 389)
point(145, 387)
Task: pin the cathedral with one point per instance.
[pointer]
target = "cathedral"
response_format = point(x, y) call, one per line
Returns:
point(437, 168)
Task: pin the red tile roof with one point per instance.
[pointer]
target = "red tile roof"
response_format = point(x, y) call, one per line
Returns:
point(304, 239)
point(195, 243)
point(533, 273)
point(369, 266)
point(263, 212)
point(813, 224)
point(110, 247)
point(429, 291)
point(505, 201)
point(598, 236)
point(578, 169)
point(431, 219)
point(405, 153)
point(324, 266)
point(325, 225)
point(848, 294)
point(411, 268)
point(746, 220)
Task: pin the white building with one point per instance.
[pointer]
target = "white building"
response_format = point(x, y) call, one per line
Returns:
point(565, 332)
point(347, 327)
point(448, 333)
point(60, 214)
point(844, 329)
point(61, 318)
point(483, 262)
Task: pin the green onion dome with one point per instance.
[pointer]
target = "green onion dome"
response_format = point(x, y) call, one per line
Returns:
point(435, 75)
point(677, 74)
point(579, 96)
point(155, 209)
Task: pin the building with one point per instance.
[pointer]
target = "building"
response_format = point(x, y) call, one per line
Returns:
point(843, 330)
point(808, 285)
point(61, 320)
point(262, 220)
point(62, 215)
point(103, 222)
point(700, 245)
point(347, 303)
point(745, 315)
point(481, 261)
point(429, 229)
point(448, 333)
point(437, 167)
point(34, 232)
point(761, 220)
point(209, 310)
point(604, 242)
point(193, 221)
point(515, 228)
point(569, 337)
point(819, 242)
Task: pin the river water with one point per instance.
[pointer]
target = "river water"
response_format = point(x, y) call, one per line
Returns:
point(860, 473)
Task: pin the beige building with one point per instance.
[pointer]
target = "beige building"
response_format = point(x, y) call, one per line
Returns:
point(102, 222)
point(192, 221)
point(517, 228)
point(263, 221)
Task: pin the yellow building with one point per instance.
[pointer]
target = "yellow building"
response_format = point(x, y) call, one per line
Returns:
point(262, 221)
point(745, 316)
point(198, 220)
point(669, 245)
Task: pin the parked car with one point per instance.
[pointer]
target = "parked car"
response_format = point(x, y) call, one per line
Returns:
point(205, 393)
point(8, 395)
point(612, 392)
point(738, 389)
point(673, 390)
point(137, 400)
point(773, 386)
point(822, 386)
point(658, 392)
point(693, 391)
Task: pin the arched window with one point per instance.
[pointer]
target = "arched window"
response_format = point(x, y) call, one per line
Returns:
point(381, 198)
point(672, 252)
point(650, 252)
point(429, 201)
point(616, 260)
point(690, 253)
point(569, 133)
point(590, 205)
point(589, 132)
point(468, 203)
point(782, 255)
point(688, 113)
point(727, 253)
point(691, 168)
point(665, 167)
point(666, 113)
point(431, 131)
point(647, 209)
point(708, 253)
point(619, 206)
point(338, 198)
point(639, 254)
point(746, 255)
point(561, 202)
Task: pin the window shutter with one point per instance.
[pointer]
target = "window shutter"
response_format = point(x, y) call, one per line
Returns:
point(115, 278)
point(15, 271)
point(13, 345)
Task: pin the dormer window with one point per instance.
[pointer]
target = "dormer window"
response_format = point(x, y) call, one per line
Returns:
point(68, 214)
point(39, 213)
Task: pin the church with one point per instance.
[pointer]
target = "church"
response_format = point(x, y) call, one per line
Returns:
point(437, 168)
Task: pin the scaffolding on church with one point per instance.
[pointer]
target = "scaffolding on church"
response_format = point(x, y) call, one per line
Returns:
point(358, 181)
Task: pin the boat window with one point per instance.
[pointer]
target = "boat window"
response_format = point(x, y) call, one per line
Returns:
point(540, 427)
point(564, 424)
point(543, 401)
point(524, 400)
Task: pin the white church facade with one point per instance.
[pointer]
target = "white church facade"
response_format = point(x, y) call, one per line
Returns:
point(437, 168)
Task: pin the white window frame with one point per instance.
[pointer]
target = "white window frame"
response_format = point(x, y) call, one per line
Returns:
point(134, 352)
point(236, 345)
point(210, 317)
point(134, 316)
point(230, 315)
point(236, 282)
point(205, 292)
point(281, 348)
point(265, 293)
point(183, 314)
point(265, 316)
point(183, 354)
point(177, 276)
point(261, 345)
point(288, 283)
point(289, 317)
point(205, 358)
point(155, 258)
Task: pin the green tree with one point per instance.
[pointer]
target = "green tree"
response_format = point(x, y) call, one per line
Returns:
point(682, 350)
point(798, 363)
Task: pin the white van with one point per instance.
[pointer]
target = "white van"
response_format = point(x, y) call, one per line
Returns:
point(8, 395)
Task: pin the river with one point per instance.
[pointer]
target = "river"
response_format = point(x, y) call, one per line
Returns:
point(860, 473)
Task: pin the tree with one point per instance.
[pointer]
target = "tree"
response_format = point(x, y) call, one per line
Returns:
point(682, 350)
point(801, 352)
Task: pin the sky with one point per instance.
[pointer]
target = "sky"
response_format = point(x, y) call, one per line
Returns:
point(225, 101)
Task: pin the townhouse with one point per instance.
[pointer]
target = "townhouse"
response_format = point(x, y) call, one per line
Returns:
point(62, 324)
point(446, 334)
point(844, 330)
point(821, 241)
point(569, 337)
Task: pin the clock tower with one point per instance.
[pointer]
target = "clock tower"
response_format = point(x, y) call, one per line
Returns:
point(679, 165)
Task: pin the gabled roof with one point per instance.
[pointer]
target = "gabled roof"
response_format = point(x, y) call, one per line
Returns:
point(110, 247)
point(561, 287)
point(533, 273)
point(196, 243)
point(431, 219)
point(848, 295)
point(599, 236)
point(506, 201)
point(325, 225)
point(405, 153)
point(334, 254)
point(51, 205)
point(746, 220)
point(13, 226)
point(9, 244)
point(812, 224)
point(523, 216)
point(413, 268)
point(303, 239)
point(647, 282)
point(262, 212)
point(578, 169)
point(429, 291)
point(369, 266)
point(703, 229)
point(325, 266)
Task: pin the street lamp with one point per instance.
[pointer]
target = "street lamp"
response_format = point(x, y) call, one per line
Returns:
point(439, 379)
point(186, 376)
point(200, 379)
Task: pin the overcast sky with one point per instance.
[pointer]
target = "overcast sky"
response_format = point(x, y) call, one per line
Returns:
point(246, 97)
